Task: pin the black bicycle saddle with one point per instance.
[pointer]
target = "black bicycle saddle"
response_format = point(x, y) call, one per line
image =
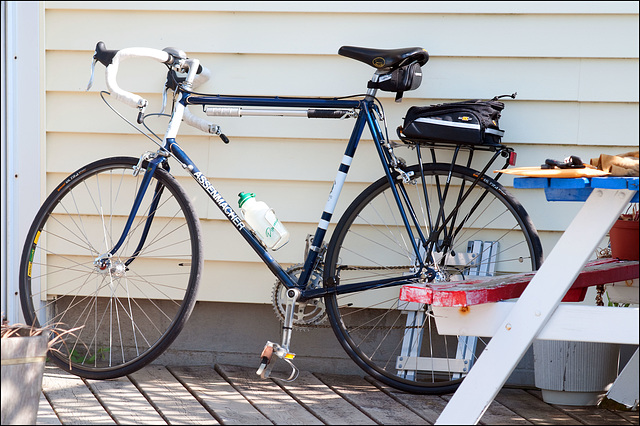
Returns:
point(385, 58)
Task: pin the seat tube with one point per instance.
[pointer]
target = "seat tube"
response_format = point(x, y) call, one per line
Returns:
point(330, 206)
point(385, 159)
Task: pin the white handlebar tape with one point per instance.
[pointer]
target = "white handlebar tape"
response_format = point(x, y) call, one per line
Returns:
point(202, 78)
point(111, 72)
point(198, 122)
point(136, 101)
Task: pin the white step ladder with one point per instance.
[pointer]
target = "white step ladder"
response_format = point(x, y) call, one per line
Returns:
point(479, 260)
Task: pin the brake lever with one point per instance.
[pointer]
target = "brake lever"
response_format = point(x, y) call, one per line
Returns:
point(93, 68)
point(164, 99)
point(141, 110)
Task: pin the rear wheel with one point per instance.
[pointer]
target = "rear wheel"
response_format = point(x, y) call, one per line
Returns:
point(472, 227)
point(131, 304)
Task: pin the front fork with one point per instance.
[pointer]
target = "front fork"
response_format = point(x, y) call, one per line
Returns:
point(104, 262)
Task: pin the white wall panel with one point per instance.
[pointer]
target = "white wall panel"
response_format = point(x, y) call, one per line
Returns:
point(558, 79)
point(485, 7)
point(507, 35)
point(573, 64)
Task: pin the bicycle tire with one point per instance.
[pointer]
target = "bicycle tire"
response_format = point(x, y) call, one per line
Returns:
point(371, 241)
point(132, 305)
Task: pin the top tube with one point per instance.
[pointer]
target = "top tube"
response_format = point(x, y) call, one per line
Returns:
point(275, 101)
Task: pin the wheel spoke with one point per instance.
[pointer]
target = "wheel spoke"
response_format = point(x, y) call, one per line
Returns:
point(129, 312)
point(480, 230)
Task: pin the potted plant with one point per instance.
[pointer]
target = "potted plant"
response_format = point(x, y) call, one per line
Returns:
point(623, 236)
point(623, 239)
point(24, 352)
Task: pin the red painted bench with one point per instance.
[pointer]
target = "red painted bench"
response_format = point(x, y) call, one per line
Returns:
point(477, 291)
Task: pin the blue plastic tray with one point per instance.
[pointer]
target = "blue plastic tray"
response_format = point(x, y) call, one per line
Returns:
point(576, 189)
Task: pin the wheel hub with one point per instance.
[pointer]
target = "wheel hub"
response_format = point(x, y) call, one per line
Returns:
point(105, 265)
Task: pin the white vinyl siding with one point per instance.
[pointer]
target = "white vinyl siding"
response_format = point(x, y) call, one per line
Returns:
point(573, 64)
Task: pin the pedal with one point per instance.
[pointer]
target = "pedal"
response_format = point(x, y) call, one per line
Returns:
point(266, 364)
point(264, 370)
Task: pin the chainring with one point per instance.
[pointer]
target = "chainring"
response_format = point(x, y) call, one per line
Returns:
point(308, 314)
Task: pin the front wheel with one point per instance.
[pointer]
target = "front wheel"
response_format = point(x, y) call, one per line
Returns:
point(463, 225)
point(126, 307)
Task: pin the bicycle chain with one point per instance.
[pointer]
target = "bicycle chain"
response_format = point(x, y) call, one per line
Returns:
point(304, 319)
point(319, 320)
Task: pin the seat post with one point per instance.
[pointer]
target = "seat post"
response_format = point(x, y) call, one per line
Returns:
point(372, 91)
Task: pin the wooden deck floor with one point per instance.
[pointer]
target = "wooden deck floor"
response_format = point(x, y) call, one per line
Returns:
point(227, 394)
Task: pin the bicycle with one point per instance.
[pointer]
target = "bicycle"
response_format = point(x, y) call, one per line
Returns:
point(116, 247)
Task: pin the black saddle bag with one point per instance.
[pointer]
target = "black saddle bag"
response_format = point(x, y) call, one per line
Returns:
point(401, 80)
point(473, 122)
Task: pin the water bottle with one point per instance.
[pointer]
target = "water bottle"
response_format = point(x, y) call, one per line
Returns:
point(263, 221)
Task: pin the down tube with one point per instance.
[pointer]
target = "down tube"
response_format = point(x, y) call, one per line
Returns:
point(230, 214)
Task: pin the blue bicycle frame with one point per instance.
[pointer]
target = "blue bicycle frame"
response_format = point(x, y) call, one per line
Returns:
point(366, 110)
